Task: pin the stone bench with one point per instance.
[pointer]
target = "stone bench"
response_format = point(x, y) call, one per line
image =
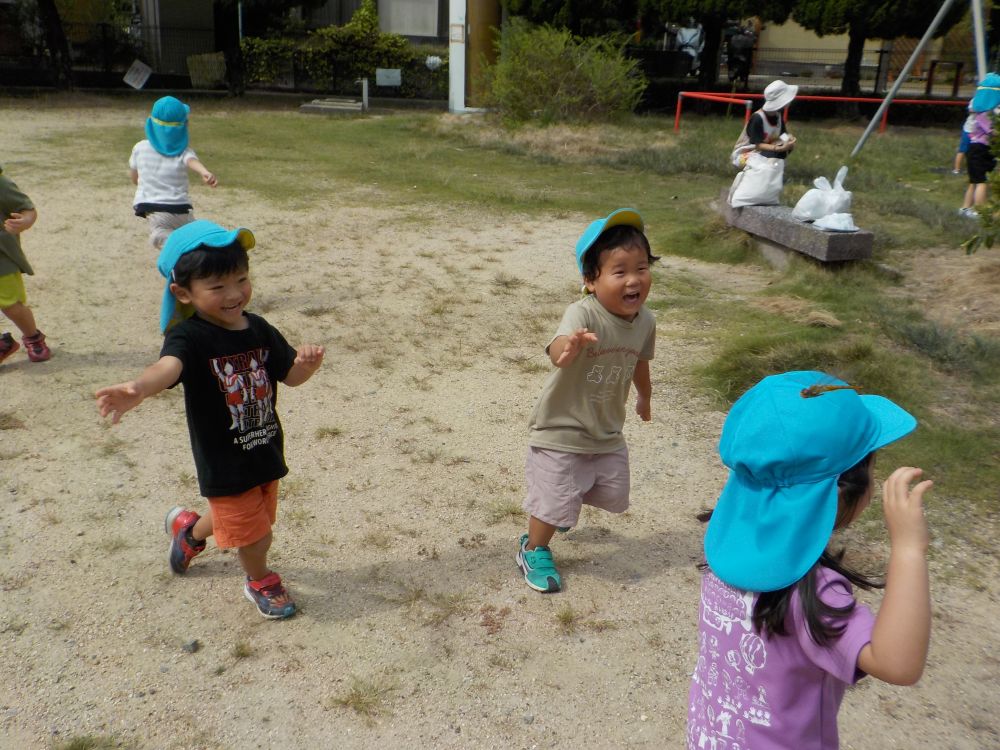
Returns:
point(776, 225)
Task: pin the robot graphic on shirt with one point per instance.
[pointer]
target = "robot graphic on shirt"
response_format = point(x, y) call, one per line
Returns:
point(235, 389)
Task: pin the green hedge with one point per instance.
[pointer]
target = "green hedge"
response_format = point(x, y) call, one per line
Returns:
point(331, 59)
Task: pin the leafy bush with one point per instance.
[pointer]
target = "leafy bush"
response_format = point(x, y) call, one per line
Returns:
point(334, 57)
point(549, 74)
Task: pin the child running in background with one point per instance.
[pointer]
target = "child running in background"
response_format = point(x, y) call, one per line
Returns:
point(17, 214)
point(229, 362)
point(781, 635)
point(159, 166)
point(576, 451)
point(979, 157)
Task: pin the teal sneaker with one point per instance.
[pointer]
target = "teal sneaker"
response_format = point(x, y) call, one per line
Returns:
point(539, 571)
point(563, 529)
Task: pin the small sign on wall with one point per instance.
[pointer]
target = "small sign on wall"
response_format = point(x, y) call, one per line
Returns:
point(388, 77)
point(456, 33)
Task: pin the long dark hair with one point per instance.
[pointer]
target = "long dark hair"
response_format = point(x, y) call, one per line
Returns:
point(825, 623)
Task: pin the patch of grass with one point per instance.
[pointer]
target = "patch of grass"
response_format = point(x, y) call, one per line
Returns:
point(567, 619)
point(109, 545)
point(504, 510)
point(506, 283)
point(319, 311)
point(322, 433)
point(378, 538)
point(427, 456)
point(527, 364)
point(93, 742)
point(446, 606)
point(365, 697)
point(9, 421)
point(241, 650)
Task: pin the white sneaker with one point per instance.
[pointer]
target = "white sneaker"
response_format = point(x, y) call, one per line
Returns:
point(968, 213)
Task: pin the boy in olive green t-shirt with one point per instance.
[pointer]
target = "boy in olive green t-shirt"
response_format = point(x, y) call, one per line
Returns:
point(576, 451)
point(18, 215)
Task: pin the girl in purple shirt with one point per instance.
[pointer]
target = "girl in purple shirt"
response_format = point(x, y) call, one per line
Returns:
point(979, 157)
point(780, 634)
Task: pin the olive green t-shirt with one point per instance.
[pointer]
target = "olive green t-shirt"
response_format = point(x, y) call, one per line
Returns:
point(582, 406)
point(12, 200)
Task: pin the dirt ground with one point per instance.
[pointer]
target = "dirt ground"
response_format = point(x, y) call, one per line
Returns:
point(399, 519)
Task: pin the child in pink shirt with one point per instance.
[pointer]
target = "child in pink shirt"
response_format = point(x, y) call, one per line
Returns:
point(780, 634)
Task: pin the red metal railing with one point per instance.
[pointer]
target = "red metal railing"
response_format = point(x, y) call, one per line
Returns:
point(745, 99)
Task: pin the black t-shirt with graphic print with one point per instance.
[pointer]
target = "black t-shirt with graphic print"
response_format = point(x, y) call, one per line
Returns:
point(230, 392)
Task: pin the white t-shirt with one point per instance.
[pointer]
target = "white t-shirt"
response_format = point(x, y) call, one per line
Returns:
point(162, 179)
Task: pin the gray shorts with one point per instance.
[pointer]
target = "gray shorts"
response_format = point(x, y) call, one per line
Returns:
point(559, 483)
point(161, 224)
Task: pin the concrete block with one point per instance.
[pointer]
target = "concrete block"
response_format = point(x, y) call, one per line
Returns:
point(776, 224)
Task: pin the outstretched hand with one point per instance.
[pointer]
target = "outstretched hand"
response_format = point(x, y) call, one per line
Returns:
point(210, 179)
point(904, 509)
point(118, 399)
point(574, 343)
point(309, 355)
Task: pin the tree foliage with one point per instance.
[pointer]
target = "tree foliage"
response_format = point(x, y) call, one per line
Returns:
point(596, 17)
point(868, 19)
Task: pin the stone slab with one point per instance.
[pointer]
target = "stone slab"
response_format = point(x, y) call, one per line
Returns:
point(776, 224)
point(330, 106)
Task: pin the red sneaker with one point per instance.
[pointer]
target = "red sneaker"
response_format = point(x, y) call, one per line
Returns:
point(7, 346)
point(177, 524)
point(35, 345)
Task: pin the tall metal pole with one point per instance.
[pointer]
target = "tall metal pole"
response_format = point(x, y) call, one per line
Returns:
point(977, 30)
point(903, 75)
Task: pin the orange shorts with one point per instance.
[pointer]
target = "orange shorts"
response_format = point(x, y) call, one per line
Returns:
point(240, 520)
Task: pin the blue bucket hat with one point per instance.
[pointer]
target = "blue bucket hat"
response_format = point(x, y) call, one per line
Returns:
point(987, 94)
point(626, 216)
point(166, 126)
point(785, 449)
point(200, 233)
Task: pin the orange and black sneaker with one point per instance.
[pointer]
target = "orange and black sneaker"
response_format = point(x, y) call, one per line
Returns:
point(7, 346)
point(38, 350)
point(270, 596)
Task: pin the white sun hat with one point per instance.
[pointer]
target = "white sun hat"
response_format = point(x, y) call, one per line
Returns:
point(778, 95)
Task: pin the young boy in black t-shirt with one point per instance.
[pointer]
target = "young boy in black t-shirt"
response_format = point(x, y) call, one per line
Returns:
point(230, 362)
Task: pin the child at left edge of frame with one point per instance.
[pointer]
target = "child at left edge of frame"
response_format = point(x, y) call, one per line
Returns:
point(230, 362)
point(18, 214)
point(577, 454)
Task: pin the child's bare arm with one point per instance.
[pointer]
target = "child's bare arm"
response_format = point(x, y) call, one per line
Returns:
point(133, 174)
point(20, 221)
point(898, 649)
point(563, 350)
point(207, 177)
point(118, 399)
point(308, 358)
point(643, 390)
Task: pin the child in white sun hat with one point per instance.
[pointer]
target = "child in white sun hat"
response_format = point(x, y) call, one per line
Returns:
point(780, 633)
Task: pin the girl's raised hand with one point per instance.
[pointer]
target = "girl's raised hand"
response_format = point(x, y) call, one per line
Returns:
point(904, 508)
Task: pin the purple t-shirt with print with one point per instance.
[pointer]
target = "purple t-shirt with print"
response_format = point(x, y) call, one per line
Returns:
point(755, 692)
